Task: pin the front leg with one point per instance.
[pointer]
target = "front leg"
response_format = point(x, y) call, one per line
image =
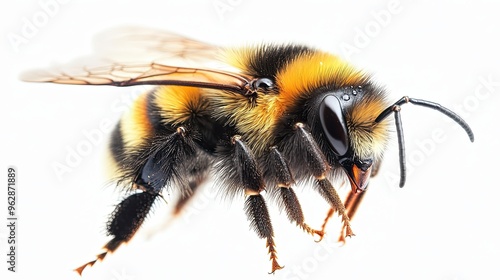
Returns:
point(318, 168)
point(351, 203)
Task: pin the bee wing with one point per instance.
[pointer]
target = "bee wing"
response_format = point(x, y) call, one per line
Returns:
point(121, 75)
point(147, 44)
point(159, 58)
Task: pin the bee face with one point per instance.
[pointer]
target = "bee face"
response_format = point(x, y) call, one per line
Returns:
point(284, 114)
point(355, 139)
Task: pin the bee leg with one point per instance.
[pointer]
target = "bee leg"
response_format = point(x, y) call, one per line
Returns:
point(330, 213)
point(351, 205)
point(154, 170)
point(288, 199)
point(318, 167)
point(197, 172)
point(124, 223)
point(185, 198)
point(252, 181)
point(329, 193)
point(352, 202)
point(257, 213)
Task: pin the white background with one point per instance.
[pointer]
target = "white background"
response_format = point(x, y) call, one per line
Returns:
point(442, 225)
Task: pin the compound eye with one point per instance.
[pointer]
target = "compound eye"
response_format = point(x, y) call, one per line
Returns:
point(334, 125)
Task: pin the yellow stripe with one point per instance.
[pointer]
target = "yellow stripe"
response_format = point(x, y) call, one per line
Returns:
point(178, 104)
point(312, 71)
point(135, 124)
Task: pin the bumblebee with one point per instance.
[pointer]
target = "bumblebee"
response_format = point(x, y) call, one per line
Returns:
point(261, 119)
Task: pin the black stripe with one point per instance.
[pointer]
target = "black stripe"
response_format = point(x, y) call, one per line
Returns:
point(154, 116)
point(268, 60)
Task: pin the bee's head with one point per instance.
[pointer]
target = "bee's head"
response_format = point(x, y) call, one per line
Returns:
point(347, 122)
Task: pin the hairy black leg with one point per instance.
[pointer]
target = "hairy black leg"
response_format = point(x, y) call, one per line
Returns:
point(283, 178)
point(249, 177)
point(125, 221)
point(256, 210)
point(318, 167)
point(157, 169)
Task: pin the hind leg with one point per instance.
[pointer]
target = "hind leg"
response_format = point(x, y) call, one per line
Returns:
point(153, 168)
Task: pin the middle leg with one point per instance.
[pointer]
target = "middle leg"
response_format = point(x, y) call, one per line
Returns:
point(281, 176)
point(243, 174)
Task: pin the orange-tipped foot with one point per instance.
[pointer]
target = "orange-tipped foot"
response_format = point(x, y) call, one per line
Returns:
point(99, 257)
point(312, 231)
point(320, 234)
point(80, 269)
point(275, 266)
point(349, 232)
point(273, 256)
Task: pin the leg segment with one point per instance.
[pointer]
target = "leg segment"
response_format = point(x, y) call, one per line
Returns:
point(352, 202)
point(329, 193)
point(257, 213)
point(197, 171)
point(281, 173)
point(351, 205)
point(354, 198)
point(125, 221)
point(250, 178)
point(318, 167)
